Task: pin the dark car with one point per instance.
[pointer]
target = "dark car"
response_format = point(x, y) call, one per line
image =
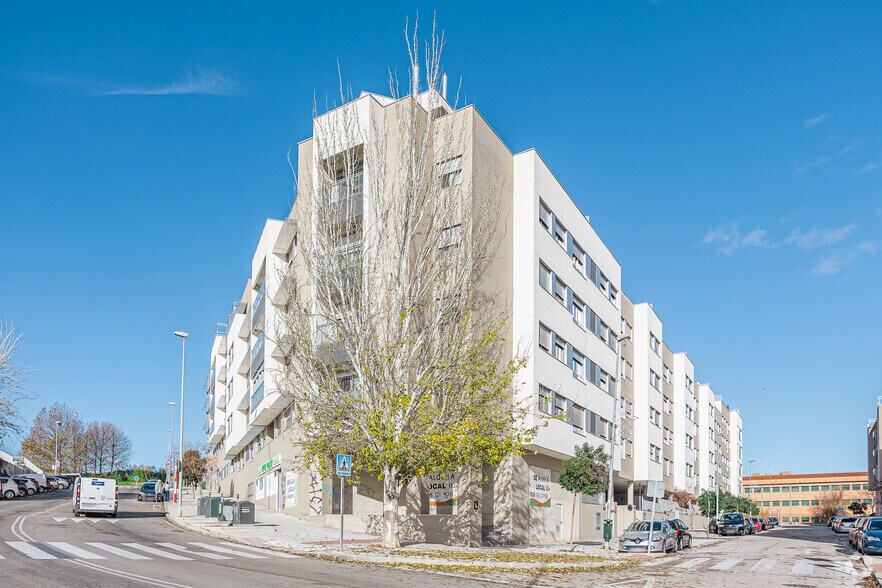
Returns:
point(774, 521)
point(684, 537)
point(731, 523)
point(871, 536)
point(148, 492)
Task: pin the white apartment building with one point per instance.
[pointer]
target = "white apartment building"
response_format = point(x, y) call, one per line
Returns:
point(561, 289)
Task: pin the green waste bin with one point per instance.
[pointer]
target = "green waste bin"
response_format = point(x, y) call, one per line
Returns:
point(212, 507)
point(607, 530)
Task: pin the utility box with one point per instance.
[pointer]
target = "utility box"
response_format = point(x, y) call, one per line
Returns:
point(200, 506)
point(243, 513)
point(227, 507)
point(212, 507)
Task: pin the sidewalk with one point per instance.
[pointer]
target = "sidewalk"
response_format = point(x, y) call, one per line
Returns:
point(273, 530)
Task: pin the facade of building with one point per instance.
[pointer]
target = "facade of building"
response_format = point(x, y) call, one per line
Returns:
point(794, 498)
point(560, 288)
point(874, 449)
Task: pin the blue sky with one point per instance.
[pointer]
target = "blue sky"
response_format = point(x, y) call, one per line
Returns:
point(730, 154)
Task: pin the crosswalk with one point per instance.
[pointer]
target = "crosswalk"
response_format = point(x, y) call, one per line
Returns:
point(798, 567)
point(93, 550)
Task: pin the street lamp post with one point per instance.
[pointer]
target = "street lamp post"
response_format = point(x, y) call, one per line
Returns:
point(55, 469)
point(179, 476)
point(750, 465)
point(171, 429)
point(607, 531)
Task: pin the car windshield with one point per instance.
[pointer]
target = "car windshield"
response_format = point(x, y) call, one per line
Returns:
point(644, 526)
point(149, 486)
point(875, 525)
point(732, 518)
point(848, 520)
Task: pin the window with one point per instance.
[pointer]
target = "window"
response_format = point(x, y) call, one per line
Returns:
point(689, 411)
point(690, 442)
point(545, 399)
point(578, 366)
point(836, 487)
point(666, 405)
point(578, 258)
point(450, 172)
point(560, 234)
point(669, 436)
point(627, 369)
point(653, 379)
point(815, 503)
point(785, 489)
point(806, 488)
point(825, 488)
point(560, 291)
point(597, 425)
point(578, 312)
point(776, 503)
point(689, 383)
point(544, 216)
point(655, 453)
point(804, 502)
point(776, 489)
point(560, 349)
point(578, 419)
point(667, 374)
point(785, 503)
point(449, 240)
point(560, 406)
point(654, 343)
point(653, 416)
point(545, 338)
point(855, 486)
point(545, 277)
point(688, 470)
point(668, 467)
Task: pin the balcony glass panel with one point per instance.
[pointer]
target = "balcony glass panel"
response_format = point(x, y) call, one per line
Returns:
point(257, 354)
point(259, 303)
point(256, 397)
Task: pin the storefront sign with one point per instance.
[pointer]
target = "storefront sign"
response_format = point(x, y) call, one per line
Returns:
point(540, 487)
point(273, 463)
point(442, 489)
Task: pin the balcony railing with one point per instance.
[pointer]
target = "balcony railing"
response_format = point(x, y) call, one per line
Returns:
point(350, 187)
point(256, 397)
point(257, 353)
point(257, 308)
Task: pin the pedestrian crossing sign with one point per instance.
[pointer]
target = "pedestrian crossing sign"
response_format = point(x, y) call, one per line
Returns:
point(344, 465)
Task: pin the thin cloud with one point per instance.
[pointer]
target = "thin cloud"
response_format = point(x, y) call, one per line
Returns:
point(810, 123)
point(833, 262)
point(728, 239)
point(869, 167)
point(204, 81)
point(817, 238)
point(800, 168)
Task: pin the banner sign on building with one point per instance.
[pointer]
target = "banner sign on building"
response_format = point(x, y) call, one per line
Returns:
point(290, 489)
point(442, 489)
point(273, 463)
point(540, 487)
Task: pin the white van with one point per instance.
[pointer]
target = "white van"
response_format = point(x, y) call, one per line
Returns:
point(95, 495)
point(43, 484)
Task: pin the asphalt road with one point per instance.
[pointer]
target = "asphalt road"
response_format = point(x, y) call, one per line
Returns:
point(795, 556)
point(42, 545)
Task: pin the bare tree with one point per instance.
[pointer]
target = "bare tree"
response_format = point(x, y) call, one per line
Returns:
point(39, 445)
point(97, 446)
point(398, 354)
point(828, 505)
point(119, 448)
point(12, 383)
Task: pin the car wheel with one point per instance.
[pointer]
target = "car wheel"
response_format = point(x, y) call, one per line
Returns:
point(139, 498)
point(30, 491)
point(9, 494)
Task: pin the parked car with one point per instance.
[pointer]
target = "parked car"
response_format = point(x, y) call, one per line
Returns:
point(63, 483)
point(772, 522)
point(855, 532)
point(749, 528)
point(663, 538)
point(871, 536)
point(30, 485)
point(731, 523)
point(845, 524)
point(8, 488)
point(684, 537)
point(43, 484)
point(757, 525)
point(830, 521)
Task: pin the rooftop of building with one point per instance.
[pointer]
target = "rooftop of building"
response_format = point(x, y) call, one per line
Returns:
point(785, 476)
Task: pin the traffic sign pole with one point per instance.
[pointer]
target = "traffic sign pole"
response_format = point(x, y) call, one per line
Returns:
point(342, 481)
point(344, 470)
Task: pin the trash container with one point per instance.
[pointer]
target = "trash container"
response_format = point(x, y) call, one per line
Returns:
point(243, 513)
point(201, 504)
point(227, 506)
point(212, 507)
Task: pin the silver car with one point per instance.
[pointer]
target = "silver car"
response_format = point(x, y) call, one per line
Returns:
point(663, 538)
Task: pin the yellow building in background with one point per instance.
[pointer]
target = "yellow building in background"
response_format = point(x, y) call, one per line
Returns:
point(795, 498)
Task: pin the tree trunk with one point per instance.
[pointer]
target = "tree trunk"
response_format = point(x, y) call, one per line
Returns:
point(391, 496)
point(573, 521)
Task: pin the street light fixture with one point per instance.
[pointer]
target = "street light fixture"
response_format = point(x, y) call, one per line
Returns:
point(607, 526)
point(178, 476)
point(55, 469)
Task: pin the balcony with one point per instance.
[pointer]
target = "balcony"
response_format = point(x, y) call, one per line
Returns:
point(244, 365)
point(257, 353)
point(256, 397)
point(265, 409)
point(222, 374)
point(216, 434)
point(222, 401)
point(257, 309)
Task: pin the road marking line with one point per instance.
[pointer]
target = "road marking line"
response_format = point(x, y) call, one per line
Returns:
point(158, 552)
point(129, 576)
point(691, 563)
point(266, 551)
point(202, 553)
point(30, 550)
point(78, 520)
point(764, 565)
point(845, 569)
point(727, 563)
point(117, 551)
point(802, 567)
point(656, 562)
point(59, 519)
point(73, 550)
point(230, 551)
